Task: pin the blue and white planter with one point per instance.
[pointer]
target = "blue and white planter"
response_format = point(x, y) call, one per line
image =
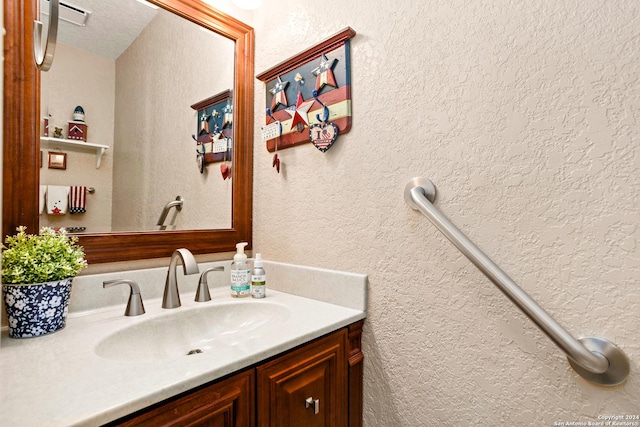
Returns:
point(36, 309)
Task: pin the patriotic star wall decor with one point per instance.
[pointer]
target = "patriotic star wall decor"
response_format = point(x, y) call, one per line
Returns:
point(324, 73)
point(215, 125)
point(324, 68)
point(299, 113)
point(279, 94)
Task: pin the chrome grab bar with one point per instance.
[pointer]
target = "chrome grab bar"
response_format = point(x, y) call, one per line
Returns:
point(595, 359)
point(177, 203)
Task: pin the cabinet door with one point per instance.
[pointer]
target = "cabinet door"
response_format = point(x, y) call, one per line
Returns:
point(307, 387)
point(229, 403)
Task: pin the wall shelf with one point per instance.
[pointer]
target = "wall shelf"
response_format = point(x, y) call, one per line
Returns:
point(99, 148)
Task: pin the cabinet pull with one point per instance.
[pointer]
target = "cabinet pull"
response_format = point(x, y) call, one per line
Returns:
point(316, 404)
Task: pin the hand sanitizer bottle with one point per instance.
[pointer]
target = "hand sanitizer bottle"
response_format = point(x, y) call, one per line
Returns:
point(258, 279)
point(240, 273)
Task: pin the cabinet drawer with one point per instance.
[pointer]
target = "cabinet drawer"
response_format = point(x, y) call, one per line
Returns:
point(228, 403)
point(307, 387)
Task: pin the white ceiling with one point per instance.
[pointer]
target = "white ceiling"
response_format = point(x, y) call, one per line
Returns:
point(111, 28)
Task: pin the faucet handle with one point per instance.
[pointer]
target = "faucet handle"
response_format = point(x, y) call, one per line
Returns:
point(202, 294)
point(134, 305)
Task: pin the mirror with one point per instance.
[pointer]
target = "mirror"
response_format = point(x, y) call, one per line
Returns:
point(135, 88)
point(22, 129)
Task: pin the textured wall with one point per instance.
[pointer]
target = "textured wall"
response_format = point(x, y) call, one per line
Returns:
point(80, 78)
point(525, 114)
point(164, 72)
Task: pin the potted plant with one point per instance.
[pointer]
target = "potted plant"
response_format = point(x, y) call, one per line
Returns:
point(37, 271)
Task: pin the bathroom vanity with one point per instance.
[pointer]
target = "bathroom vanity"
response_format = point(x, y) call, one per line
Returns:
point(238, 362)
point(316, 384)
point(293, 357)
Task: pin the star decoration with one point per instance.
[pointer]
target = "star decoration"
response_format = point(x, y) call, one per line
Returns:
point(279, 94)
point(228, 115)
point(324, 73)
point(299, 113)
point(204, 123)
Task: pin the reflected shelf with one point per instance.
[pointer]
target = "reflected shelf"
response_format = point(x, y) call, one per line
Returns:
point(99, 148)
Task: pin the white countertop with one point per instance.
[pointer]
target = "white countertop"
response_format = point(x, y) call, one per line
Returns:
point(59, 380)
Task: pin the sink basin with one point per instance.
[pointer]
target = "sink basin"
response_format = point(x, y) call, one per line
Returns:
point(225, 329)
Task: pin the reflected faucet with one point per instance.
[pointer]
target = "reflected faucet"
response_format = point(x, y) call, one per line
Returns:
point(177, 203)
point(171, 297)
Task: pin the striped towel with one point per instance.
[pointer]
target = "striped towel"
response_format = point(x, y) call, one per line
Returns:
point(77, 199)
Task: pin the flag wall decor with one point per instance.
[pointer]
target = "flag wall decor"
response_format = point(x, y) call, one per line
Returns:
point(302, 89)
point(214, 128)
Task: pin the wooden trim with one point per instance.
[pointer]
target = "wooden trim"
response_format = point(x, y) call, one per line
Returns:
point(21, 148)
point(356, 372)
point(22, 145)
point(330, 43)
point(212, 100)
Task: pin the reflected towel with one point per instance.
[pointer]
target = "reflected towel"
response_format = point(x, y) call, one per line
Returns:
point(43, 198)
point(57, 199)
point(77, 199)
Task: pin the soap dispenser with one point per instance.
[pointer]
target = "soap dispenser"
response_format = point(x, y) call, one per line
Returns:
point(240, 273)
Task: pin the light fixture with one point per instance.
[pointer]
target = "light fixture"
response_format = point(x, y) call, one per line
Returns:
point(68, 12)
point(248, 4)
point(146, 3)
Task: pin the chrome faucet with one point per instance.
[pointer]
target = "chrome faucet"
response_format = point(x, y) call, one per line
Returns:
point(202, 294)
point(135, 307)
point(171, 297)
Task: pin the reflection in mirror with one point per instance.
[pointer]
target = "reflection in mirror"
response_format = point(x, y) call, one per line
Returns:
point(135, 71)
point(22, 151)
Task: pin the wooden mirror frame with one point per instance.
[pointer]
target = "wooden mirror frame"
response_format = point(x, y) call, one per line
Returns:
point(21, 155)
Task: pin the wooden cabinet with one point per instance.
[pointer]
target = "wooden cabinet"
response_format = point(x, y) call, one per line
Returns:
point(307, 387)
point(227, 403)
point(318, 384)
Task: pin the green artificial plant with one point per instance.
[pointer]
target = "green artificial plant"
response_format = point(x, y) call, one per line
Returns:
point(45, 257)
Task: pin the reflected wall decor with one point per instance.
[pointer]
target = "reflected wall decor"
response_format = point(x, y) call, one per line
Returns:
point(57, 160)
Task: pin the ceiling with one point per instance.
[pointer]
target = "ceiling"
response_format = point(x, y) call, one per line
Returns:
point(110, 29)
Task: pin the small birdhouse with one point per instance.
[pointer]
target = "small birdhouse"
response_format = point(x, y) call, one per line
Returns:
point(77, 131)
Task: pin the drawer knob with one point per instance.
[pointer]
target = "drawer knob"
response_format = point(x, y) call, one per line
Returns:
point(310, 401)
